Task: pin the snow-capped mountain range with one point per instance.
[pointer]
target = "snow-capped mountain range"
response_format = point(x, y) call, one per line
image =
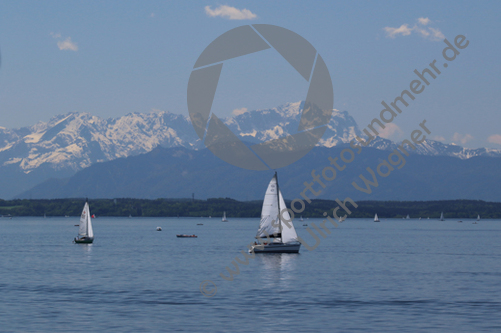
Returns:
point(68, 143)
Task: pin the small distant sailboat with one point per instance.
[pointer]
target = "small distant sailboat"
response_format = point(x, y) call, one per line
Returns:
point(273, 227)
point(376, 219)
point(301, 218)
point(420, 217)
point(478, 219)
point(85, 232)
point(442, 216)
point(407, 217)
point(224, 219)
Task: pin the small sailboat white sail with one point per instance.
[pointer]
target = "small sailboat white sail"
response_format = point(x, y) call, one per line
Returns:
point(85, 232)
point(376, 219)
point(275, 234)
point(224, 219)
point(407, 217)
point(478, 219)
point(442, 216)
point(301, 218)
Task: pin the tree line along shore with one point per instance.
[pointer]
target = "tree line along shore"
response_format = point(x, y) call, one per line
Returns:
point(215, 207)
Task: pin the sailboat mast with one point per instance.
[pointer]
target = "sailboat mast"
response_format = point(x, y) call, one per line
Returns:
point(278, 203)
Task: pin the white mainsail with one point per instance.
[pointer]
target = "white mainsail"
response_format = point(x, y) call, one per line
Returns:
point(270, 223)
point(85, 229)
point(376, 219)
point(269, 213)
point(224, 217)
point(442, 216)
point(478, 217)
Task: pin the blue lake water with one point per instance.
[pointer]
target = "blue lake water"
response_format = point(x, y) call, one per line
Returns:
point(393, 276)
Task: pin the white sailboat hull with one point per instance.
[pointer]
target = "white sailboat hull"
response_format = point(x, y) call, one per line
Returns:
point(276, 248)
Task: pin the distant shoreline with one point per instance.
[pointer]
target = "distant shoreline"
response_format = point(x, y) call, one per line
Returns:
point(124, 207)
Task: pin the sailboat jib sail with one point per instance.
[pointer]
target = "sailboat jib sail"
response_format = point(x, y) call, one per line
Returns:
point(289, 234)
point(85, 231)
point(272, 226)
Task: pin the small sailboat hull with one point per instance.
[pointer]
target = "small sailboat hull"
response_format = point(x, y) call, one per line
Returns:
point(276, 248)
point(84, 240)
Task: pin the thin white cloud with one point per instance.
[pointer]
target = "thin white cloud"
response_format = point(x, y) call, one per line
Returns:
point(496, 138)
point(403, 30)
point(238, 112)
point(230, 13)
point(461, 138)
point(423, 20)
point(436, 34)
point(438, 138)
point(67, 44)
point(421, 28)
point(391, 131)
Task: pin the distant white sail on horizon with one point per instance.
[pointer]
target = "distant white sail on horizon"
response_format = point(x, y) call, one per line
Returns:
point(224, 217)
point(85, 228)
point(442, 216)
point(376, 219)
point(478, 217)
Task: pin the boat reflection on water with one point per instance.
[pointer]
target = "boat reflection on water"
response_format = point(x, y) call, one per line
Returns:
point(277, 268)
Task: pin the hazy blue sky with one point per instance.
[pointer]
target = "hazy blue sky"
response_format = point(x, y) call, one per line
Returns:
point(115, 57)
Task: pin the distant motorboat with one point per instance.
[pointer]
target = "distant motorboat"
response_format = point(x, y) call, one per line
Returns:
point(200, 224)
point(159, 228)
point(460, 221)
point(376, 219)
point(305, 224)
point(85, 232)
point(224, 219)
point(186, 236)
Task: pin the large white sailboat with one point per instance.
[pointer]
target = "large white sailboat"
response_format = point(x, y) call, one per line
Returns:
point(224, 219)
point(275, 235)
point(442, 216)
point(376, 219)
point(85, 232)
